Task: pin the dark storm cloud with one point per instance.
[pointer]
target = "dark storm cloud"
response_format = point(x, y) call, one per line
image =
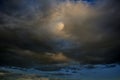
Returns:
point(20, 21)
point(22, 27)
point(29, 32)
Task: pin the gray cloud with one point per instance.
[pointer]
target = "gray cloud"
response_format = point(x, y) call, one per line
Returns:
point(90, 33)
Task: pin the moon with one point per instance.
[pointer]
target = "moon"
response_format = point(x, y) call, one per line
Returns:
point(60, 26)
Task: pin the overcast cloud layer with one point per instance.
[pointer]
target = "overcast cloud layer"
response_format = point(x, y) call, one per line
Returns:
point(52, 31)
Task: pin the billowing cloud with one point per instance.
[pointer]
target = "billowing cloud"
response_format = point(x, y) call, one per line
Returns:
point(68, 30)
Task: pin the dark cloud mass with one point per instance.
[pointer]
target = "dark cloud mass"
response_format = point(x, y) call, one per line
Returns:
point(45, 31)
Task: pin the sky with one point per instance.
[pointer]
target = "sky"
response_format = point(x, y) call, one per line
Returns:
point(36, 32)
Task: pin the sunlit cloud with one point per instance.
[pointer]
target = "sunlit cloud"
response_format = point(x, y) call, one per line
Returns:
point(60, 57)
